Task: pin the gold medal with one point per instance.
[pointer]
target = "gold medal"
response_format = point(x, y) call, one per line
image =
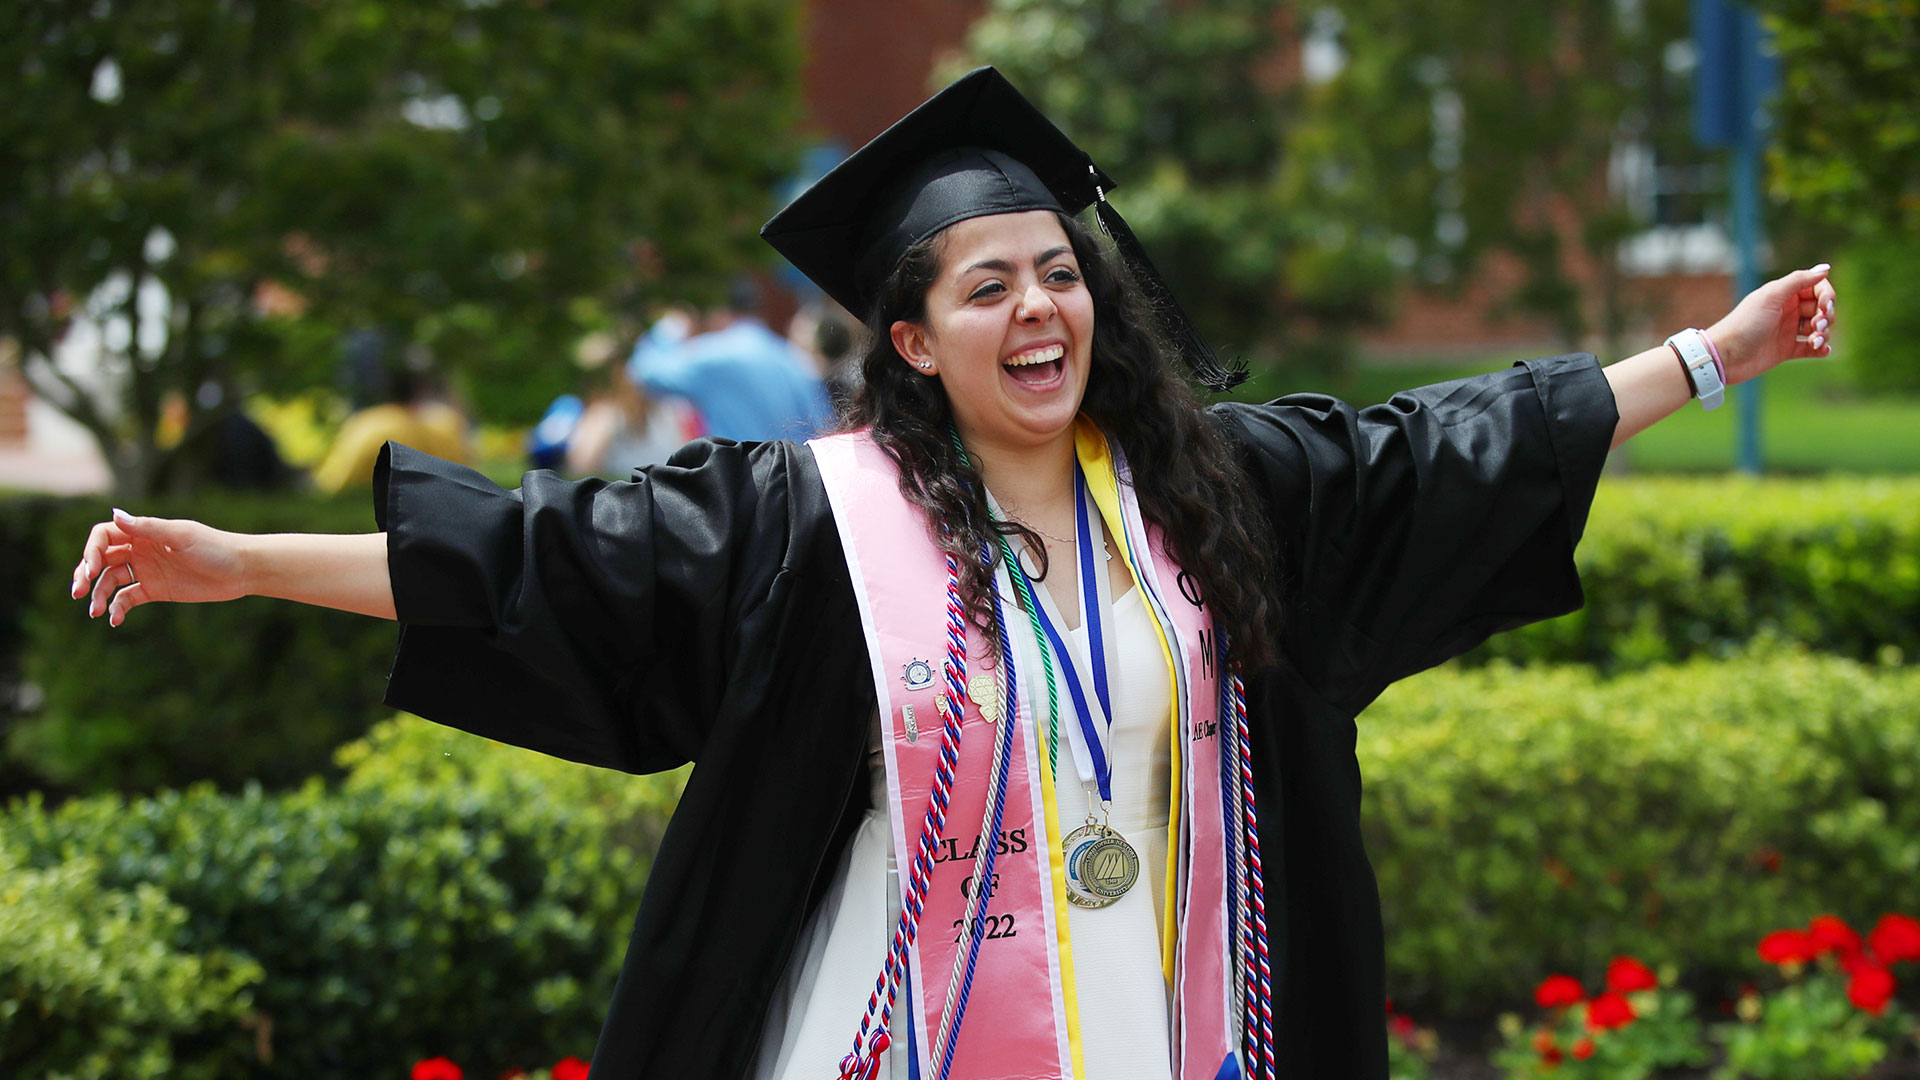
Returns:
point(984, 690)
point(1100, 865)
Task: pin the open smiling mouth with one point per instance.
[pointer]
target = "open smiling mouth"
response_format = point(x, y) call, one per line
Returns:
point(1037, 367)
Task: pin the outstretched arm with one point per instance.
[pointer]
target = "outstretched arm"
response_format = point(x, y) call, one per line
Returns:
point(131, 561)
point(1786, 318)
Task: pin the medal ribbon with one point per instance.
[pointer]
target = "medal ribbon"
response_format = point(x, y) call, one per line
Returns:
point(1090, 616)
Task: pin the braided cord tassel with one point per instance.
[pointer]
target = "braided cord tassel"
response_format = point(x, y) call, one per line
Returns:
point(1021, 585)
point(960, 987)
point(1260, 973)
point(864, 1061)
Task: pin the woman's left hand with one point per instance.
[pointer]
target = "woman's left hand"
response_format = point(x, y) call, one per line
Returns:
point(1787, 318)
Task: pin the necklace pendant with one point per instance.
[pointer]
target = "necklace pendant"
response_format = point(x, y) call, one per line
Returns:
point(1100, 866)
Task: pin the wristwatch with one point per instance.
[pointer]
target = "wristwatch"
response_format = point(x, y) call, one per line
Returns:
point(1697, 358)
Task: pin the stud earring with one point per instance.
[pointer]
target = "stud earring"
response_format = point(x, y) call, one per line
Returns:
point(926, 365)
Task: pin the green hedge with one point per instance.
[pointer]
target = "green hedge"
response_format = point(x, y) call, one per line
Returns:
point(254, 690)
point(1530, 821)
point(92, 984)
point(450, 896)
point(1676, 568)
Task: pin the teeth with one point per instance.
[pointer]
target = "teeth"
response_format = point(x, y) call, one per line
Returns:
point(1040, 356)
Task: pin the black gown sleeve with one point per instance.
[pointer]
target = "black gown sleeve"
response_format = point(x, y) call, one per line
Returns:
point(1409, 532)
point(590, 620)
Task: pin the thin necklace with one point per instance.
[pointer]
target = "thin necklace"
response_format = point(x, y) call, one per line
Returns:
point(1018, 520)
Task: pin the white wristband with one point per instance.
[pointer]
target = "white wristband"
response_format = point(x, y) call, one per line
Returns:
point(1697, 358)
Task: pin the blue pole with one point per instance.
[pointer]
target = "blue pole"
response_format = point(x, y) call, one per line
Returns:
point(1746, 278)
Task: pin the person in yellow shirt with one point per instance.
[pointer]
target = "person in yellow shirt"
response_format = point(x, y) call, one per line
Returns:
point(414, 417)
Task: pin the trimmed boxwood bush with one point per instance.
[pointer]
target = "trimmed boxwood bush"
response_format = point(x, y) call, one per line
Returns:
point(1676, 568)
point(1530, 821)
point(254, 690)
point(449, 896)
point(92, 984)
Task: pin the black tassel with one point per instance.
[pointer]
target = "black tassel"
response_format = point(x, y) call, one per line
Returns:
point(1205, 364)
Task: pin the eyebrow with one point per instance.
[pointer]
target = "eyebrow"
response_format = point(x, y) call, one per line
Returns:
point(1005, 267)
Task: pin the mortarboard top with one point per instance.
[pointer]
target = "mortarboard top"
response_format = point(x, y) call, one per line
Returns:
point(975, 148)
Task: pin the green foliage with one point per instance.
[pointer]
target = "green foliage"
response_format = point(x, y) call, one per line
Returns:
point(1462, 130)
point(255, 689)
point(1882, 336)
point(1807, 1030)
point(1527, 821)
point(460, 176)
point(1181, 105)
point(452, 897)
point(1676, 568)
point(93, 983)
point(1848, 148)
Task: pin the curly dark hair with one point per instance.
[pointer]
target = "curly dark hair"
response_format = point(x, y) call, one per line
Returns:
point(1184, 475)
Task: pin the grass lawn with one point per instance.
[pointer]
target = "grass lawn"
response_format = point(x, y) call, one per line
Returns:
point(1811, 419)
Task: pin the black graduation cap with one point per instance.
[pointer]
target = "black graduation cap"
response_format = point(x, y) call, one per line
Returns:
point(976, 148)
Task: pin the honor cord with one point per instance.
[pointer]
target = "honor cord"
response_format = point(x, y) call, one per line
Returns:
point(1259, 974)
point(959, 990)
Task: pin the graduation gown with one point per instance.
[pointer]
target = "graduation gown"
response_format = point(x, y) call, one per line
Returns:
point(702, 612)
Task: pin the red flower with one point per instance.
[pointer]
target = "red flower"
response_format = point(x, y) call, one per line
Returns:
point(570, 1068)
point(1402, 1025)
point(1895, 938)
point(1625, 975)
point(1582, 1048)
point(1609, 1011)
point(1786, 947)
point(1557, 990)
point(1831, 934)
point(436, 1068)
point(1871, 988)
point(1544, 1045)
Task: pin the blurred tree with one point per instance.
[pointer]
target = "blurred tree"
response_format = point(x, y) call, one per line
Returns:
point(229, 186)
point(1846, 158)
point(1191, 108)
point(1486, 127)
point(1847, 148)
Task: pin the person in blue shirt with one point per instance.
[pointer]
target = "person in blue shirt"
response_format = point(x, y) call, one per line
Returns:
point(749, 383)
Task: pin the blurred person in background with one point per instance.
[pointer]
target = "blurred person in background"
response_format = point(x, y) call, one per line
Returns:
point(748, 383)
point(624, 428)
point(227, 449)
point(824, 332)
point(416, 414)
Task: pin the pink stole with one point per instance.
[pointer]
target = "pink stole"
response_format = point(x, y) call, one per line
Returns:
point(899, 578)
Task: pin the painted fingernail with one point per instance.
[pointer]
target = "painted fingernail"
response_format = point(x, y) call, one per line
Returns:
point(122, 516)
point(1820, 324)
point(1823, 266)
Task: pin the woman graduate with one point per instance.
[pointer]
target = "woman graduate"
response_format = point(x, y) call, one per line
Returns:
point(1023, 709)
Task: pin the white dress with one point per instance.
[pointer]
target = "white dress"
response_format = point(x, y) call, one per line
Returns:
point(1123, 1002)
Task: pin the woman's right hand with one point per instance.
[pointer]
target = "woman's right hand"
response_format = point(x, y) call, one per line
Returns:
point(130, 561)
